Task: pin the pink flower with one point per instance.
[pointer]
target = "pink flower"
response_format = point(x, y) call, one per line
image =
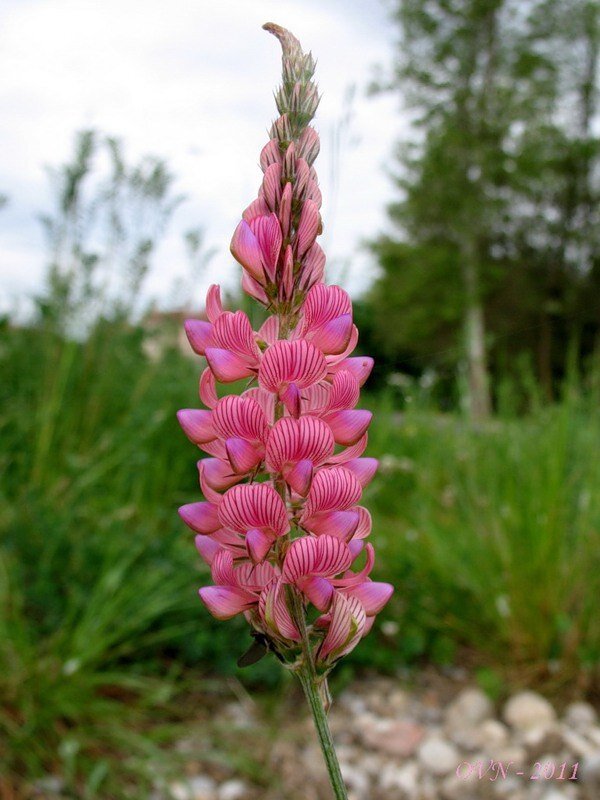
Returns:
point(281, 525)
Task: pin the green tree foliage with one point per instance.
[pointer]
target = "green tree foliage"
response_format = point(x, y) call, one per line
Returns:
point(494, 231)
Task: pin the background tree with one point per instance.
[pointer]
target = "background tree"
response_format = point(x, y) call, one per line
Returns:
point(489, 156)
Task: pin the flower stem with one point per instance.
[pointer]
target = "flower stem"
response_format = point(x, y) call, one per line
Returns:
point(311, 690)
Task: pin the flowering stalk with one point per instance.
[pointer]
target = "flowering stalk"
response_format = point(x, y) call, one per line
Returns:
point(281, 526)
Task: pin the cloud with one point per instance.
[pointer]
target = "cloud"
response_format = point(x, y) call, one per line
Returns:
point(190, 82)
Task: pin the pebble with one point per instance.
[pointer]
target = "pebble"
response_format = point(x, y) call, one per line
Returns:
point(438, 756)
point(528, 710)
point(233, 790)
point(200, 787)
point(356, 780)
point(399, 739)
point(469, 708)
point(580, 716)
point(405, 778)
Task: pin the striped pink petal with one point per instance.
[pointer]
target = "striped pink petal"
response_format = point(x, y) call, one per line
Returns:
point(233, 331)
point(308, 144)
point(365, 523)
point(324, 557)
point(222, 569)
point(345, 391)
point(201, 517)
point(332, 489)
point(348, 426)
point(271, 186)
point(347, 624)
point(270, 154)
point(355, 578)
point(269, 330)
point(214, 306)
point(292, 440)
point(227, 366)
point(225, 602)
point(275, 614)
point(254, 505)
point(290, 395)
point(256, 208)
point(286, 362)
point(199, 334)
point(254, 577)
point(308, 227)
point(354, 451)
point(240, 416)
point(313, 267)
point(208, 388)
point(197, 424)
point(285, 209)
point(267, 232)
point(323, 304)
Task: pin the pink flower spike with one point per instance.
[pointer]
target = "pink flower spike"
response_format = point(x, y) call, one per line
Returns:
point(197, 425)
point(199, 334)
point(201, 517)
point(225, 602)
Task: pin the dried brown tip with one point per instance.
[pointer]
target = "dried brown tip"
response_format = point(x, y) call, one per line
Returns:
point(289, 44)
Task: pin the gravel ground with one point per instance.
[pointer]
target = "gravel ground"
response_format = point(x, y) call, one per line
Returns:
point(440, 742)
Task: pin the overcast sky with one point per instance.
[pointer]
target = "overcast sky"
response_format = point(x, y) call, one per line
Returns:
point(191, 81)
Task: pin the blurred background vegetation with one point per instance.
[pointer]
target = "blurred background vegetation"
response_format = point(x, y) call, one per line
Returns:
point(484, 322)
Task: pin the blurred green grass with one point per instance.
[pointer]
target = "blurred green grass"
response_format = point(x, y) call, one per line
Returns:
point(491, 536)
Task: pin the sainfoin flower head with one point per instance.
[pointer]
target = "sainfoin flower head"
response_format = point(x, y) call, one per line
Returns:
point(282, 526)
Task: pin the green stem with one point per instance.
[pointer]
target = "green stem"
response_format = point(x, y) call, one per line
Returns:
point(311, 690)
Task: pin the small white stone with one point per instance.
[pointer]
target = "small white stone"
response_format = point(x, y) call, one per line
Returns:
point(578, 744)
point(528, 710)
point(199, 787)
point(233, 790)
point(492, 735)
point(405, 778)
point(438, 756)
point(469, 708)
point(356, 780)
point(580, 716)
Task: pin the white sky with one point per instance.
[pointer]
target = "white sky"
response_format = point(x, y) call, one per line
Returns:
point(190, 81)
